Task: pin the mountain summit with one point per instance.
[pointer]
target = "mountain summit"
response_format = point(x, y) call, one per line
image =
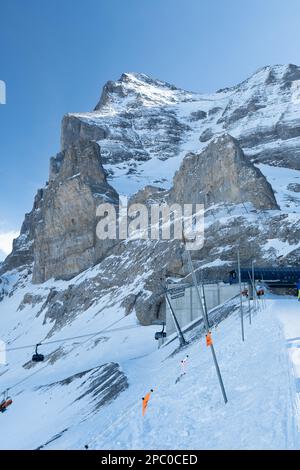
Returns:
point(143, 124)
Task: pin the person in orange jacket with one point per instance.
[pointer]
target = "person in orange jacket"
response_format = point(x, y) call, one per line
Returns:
point(209, 340)
point(146, 399)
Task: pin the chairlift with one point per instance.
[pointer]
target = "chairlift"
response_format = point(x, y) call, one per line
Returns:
point(5, 402)
point(160, 334)
point(37, 357)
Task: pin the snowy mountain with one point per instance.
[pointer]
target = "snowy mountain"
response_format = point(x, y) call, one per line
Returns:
point(93, 303)
point(145, 127)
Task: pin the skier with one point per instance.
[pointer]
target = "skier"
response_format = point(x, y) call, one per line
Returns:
point(146, 399)
point(245, 292)
point(183, 364)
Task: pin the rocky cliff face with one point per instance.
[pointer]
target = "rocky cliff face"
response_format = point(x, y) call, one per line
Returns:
point(65, 237)
point(222, 174)
point(147, 131)
point(145, 127)
point(22, 252)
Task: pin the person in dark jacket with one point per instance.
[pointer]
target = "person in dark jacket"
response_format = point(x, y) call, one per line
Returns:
point(298, 289)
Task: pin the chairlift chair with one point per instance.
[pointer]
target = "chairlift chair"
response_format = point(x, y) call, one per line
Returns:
point(37, 357)
point(5, 402)
point(160, 334)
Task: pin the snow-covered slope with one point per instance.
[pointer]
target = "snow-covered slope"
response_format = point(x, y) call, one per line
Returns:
point(83, 368)
point(65, 403)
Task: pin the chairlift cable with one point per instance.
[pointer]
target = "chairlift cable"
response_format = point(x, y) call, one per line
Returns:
point(44, 367)
point(70, 338)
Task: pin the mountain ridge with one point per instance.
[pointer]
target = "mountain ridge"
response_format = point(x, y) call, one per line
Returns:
point(143, 141)
point(259, 112)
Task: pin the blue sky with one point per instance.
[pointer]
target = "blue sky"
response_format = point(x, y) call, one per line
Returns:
point(55, 56)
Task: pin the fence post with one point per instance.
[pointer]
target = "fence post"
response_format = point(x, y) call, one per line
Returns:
point(181, 337)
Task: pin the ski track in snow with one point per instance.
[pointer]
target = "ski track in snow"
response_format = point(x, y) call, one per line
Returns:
point(261, 377)
point(191, 414)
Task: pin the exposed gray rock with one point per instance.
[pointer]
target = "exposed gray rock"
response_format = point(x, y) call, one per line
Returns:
point(22, 252)
point(148, 195)
point(221, 173)
point(125, 87)
point(198, 115)
point(251, 106)
point(65, 237)
point(132, 278)
point(280, 155)
point(30, 299)
point(101, 384)
point(142, 127)
point(126, 138)
point(206, 135)
point(75, 130)
point(294, 187)
point(214, 110)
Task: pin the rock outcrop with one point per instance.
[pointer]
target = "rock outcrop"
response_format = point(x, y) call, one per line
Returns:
point(101, 384)
point(65, 237)
point(222, 174)
point(22, 253)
